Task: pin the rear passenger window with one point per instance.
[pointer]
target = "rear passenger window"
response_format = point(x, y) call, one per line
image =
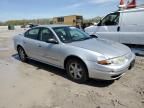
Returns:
point(32, 34)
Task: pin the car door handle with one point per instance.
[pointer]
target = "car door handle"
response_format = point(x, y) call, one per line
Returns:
point(39, 46)
point(118, 28)
point(24, 42)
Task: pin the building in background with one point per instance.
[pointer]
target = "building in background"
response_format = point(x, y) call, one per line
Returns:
point(74, 20)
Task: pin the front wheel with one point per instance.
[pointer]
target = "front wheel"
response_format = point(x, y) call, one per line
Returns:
point(22, 54)
point(77, 71)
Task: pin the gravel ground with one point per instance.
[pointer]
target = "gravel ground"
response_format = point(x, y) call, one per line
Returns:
point(37, 85)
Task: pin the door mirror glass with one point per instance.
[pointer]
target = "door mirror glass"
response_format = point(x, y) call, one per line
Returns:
point(51, 40)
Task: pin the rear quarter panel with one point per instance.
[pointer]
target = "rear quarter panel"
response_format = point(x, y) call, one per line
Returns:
point(18, 40)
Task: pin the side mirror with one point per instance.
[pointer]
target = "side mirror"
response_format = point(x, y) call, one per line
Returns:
point(52, 41)
point(93, 36)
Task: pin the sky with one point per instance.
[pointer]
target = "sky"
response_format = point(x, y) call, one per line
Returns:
point(34, 9)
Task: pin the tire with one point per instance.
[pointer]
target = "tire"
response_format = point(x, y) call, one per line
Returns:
point(22, 54)
point(77, 70)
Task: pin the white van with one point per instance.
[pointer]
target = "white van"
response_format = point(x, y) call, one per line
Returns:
point(126, 26)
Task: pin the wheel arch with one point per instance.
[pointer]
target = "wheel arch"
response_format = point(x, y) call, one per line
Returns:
point(75, 57)
point(18, 46)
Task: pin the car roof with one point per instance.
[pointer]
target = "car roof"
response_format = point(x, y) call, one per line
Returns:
point(53, 25)
point(130, 10)
point(133, 9)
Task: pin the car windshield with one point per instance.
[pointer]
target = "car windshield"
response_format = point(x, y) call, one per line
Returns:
point(71, 34)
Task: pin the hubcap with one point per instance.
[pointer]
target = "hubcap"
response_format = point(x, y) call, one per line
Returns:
point(21, 53)
point(75, 70)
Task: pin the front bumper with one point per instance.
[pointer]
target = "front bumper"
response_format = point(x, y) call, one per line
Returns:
point(97, 71)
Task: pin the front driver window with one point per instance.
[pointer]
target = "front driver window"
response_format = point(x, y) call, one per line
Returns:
point(46, 34)
point(110, 20)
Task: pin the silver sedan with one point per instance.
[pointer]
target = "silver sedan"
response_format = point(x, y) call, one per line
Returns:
point(81, 55)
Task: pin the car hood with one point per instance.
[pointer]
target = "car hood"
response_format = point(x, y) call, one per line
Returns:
point(107, 48)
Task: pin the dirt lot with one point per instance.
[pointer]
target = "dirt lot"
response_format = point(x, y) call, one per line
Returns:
point(36, 85)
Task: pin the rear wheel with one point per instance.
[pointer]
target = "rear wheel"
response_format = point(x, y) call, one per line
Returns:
point(22, 54)
point(77, 70)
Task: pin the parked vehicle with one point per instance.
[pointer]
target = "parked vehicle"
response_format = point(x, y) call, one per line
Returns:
point(29, 26)
point(32, 25)
point(126, 26)
point(81, 55)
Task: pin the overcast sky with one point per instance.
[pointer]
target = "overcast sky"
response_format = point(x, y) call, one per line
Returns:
point(33, 9)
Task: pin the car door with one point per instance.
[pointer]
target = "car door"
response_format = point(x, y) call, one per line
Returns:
point(108, 27)
point(49, 49)
point(31, 43)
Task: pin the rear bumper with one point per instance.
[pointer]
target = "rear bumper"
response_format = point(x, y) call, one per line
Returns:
point(109, 73)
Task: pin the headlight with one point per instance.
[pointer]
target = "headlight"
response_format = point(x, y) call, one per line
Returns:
point(119, 60)
point(116, 61)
